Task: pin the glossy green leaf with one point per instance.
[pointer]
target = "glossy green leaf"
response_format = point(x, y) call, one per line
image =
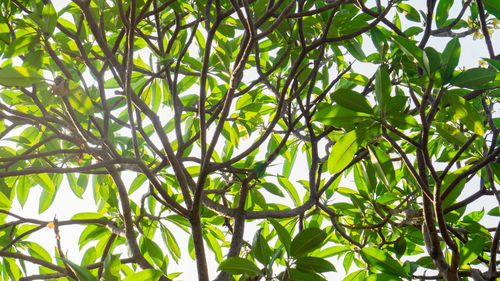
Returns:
point(237, 266)
point(313, 264)
point(474, 77)
point(306, 241)
point(382, 88)
point(283, 234)
point(260, 248)
point(19, 76)
point(442, 11)
point(342, 152)
point(352, 100)
point(383, 261)
point(450, 58)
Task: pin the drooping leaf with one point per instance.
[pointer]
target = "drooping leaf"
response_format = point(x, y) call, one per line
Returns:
point(449, 59)
point(283, 234)
point(260, 248)
point(382, 88)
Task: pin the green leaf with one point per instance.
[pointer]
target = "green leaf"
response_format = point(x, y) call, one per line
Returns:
point(260, 248)
point(449, 59)
point(457, 190)
point(112, 266)
point(49, 18)
point(19, 76)
point(382, 88)
point(474, 77)
point(356, 276)
point(306, 241)
point(169, 240)
point(87, 215)
point(82, 273)
point(383, 166)
point(313, 264)
point(383, 261)
point(378, 40)
point(442, 11)
point(290, 189)
point(272, 188)
point(471, 250)
point(450, 133)
point(410, 12)
point(409, 47)
point(75, 187)
point(213, 244)
point(237, 266)
point(352, 100)
point(38, 251)
point(467, 114)
point(283, 234)
point(337, 115)
point(342, 152)
point(493, 7)
point(260, 169)
point(354, 49)
point(145, 275)
point(297, 275)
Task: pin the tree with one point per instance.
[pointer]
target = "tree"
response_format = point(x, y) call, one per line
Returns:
point(191, 115)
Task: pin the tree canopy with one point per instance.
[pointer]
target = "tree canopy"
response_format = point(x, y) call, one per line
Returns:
point(322, 130)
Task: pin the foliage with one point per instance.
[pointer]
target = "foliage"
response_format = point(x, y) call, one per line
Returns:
point(213, 116)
